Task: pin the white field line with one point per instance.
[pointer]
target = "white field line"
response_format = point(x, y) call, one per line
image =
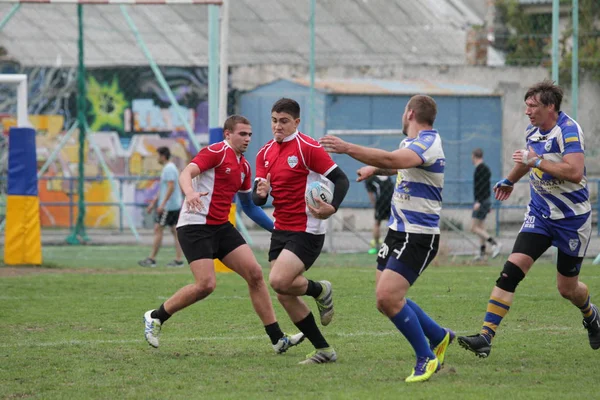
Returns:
point(549, 295)
point(243, 338)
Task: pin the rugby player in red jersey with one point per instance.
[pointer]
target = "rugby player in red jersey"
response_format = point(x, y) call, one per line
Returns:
point(210, 183)
point(285, 166)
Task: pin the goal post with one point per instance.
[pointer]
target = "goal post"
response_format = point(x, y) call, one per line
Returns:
point(160, 53)
point(22, 237)
point(101, 32)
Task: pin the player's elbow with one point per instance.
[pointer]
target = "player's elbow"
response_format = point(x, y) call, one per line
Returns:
point(575, 176)
point(575, 179)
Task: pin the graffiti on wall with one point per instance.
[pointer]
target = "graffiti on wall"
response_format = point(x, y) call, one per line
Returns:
point(126, 100)
point(130, 100)
point(131, 116)
point(134, 168)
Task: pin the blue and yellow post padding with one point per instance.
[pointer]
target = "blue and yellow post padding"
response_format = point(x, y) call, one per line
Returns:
point(22, 236)
point(219, 266)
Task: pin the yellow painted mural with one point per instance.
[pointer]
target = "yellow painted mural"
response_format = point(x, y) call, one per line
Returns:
point(58, 186)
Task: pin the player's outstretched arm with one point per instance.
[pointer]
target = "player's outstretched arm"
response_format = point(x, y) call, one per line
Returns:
point(255, 213)
point(398, 159)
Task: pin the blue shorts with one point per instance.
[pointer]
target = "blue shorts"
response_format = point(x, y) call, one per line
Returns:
point(407, 254)
point(570, 235)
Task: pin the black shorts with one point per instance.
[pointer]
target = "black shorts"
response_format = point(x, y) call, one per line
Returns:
point(407, 253)
point(208, 241)
point(382, 212)
point(167, 218)
point(484, 209)
point(535, 244)
point(306, 246)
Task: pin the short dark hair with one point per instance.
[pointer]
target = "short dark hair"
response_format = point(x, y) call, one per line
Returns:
point(164, 151)
point(549, 92)
point(477, 153)
point(233, 120)
point(424, 107)
point(288, 106)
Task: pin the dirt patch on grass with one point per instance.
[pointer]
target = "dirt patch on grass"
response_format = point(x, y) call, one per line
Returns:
point(21, 271)
point(32, 270)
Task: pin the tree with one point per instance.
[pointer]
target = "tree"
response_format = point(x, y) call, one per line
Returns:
point(589, 42)
point(529, 38)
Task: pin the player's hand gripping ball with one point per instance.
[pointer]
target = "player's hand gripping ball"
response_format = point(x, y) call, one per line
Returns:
point(317, 190)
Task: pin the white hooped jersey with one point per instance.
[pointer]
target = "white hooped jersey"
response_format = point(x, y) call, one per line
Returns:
point(557, 198)
point(417, 200)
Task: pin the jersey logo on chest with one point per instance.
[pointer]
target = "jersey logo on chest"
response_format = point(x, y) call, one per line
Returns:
point(292, 161)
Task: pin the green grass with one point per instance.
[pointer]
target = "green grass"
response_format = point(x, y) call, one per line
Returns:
point(76, 333)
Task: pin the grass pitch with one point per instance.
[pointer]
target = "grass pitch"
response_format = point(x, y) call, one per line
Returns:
point(74, 330)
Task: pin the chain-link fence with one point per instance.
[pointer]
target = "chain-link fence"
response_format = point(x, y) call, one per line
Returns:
point(377, 53)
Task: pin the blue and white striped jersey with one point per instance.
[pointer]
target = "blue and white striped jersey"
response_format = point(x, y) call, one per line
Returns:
point(556, 198)
point(417, 199)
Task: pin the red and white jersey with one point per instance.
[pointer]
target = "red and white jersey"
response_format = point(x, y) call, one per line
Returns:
point(222, 175)
point(293, 164)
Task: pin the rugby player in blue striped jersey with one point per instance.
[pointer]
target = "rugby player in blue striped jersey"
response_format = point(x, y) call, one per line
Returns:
point(413, 237)
point(558, 214)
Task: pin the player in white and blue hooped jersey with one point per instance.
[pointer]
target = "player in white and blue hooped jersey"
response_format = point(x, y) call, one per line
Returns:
point(559, 214)
point(417, 200)
point(413, 238)
point(553, 197)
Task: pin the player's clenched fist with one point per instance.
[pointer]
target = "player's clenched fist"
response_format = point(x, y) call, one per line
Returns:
point(365, 172)
point(264, 187)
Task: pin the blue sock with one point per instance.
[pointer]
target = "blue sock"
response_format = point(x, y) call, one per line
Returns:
point(408, 324)
point(431, 329)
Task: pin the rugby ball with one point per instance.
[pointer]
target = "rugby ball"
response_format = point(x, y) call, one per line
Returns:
point(318, 190)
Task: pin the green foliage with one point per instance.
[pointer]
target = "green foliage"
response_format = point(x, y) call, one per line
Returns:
point(529, 41)
point(589, 42)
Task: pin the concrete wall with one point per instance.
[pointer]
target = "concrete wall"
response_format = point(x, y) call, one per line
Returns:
point(511, 82)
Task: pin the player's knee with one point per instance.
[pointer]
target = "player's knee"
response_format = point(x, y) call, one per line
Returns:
point(204, 288)
point(567, 290)
point(255, 277)
point(285, 298)
point(510, 277)
point(386, 302)
point(279, 284)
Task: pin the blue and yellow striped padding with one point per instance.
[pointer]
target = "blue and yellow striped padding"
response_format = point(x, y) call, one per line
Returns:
point(22, 236)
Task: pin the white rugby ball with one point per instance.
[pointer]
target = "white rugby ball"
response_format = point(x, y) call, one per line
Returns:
point(318, 190)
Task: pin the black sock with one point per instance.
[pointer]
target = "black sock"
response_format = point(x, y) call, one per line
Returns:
point(308, 326)
point(274, 332)
point(482, 250)
point(161, 314)
point(313, 289)
point(491, 240)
